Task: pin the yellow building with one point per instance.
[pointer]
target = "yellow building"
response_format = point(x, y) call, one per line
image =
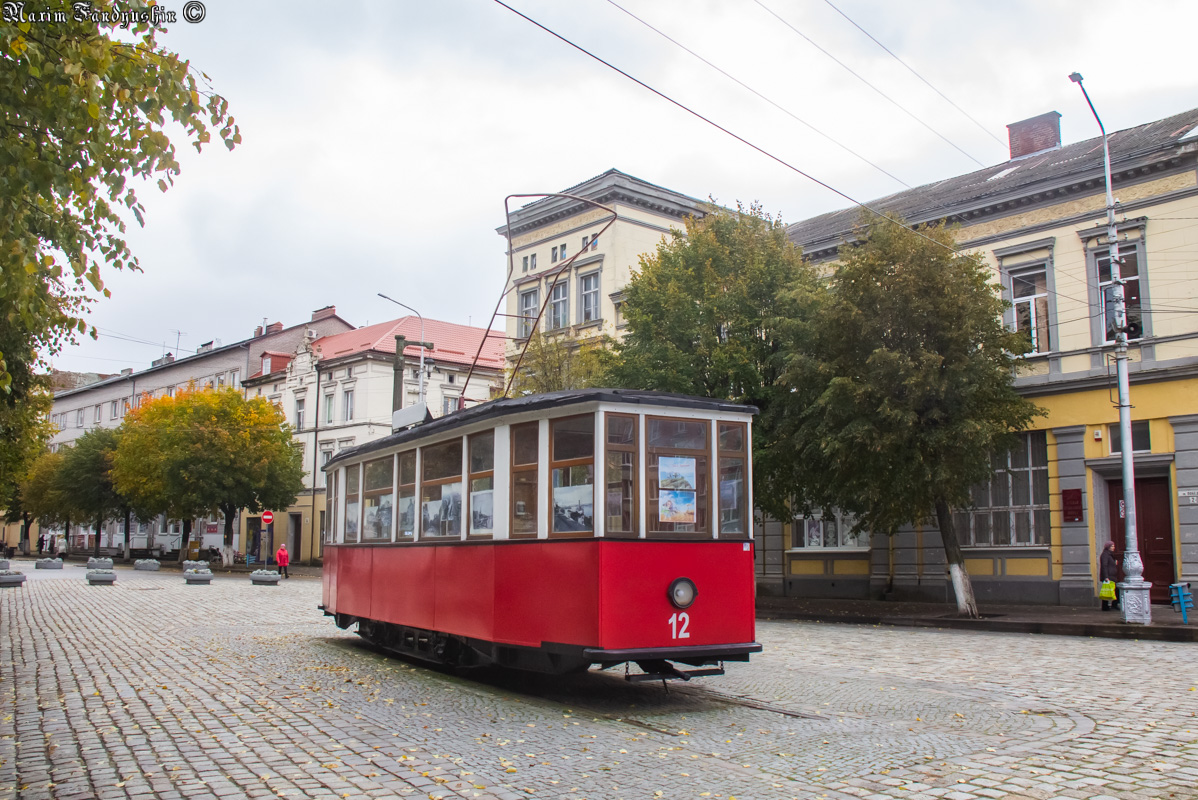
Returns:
point(1034, 534)
point(581, 298)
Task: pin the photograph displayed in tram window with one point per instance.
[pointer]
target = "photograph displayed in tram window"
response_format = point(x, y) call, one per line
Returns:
point(676, 507)
point(482, 511)
point(407, 514)
point(676, 478)
point(574, 499)
point(443, 510)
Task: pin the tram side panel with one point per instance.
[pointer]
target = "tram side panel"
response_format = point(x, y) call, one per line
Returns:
point(328, 579)
point(637, 612)
point(352, 588)
point(465, 591)
point(547, 591)
point(402, 586)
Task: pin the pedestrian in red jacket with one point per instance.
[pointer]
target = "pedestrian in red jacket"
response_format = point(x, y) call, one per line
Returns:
point(283, 559)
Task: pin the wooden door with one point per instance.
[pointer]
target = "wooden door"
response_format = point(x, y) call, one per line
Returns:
point(1154, 528)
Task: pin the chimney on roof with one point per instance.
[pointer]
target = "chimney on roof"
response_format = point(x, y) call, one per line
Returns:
point(258, 331)
point(324, 313)
point(127, 371)
point(1035, 135)
point(274, 327)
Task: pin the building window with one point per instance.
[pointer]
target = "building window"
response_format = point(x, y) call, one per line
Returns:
point(96, 414)
point(585, 241)
point(299, 415)
point(170, 391)
point(449, 404)
point(79, 418)
point(561, 251)
point(572, 474)
point(378, 492)
point(406, 504)
point(449, 379)
point(352, 508)
point(828, 532)
point(532, 261)
point(328, 409)
point(112, 412)
point(325, 457)
point(1012, 507)
point(1141, 438)
point(525, 455)
point(235, 379)
point(441, 490)
point(347, 405)
point(677, 469)
point(265, 365)
point(553, 256)
point(620, 475)
point(588, 298)
point(1029, 295)
point(482, 484)
point(530, 307)
point(1130, 271)
point(559, 306)
point(524, 267)
point(220, 381)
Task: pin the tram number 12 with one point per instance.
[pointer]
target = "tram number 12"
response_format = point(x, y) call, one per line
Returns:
point(679, 624)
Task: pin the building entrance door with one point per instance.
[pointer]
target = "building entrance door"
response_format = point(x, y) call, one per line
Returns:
point(297, 524)
point(1154, 529)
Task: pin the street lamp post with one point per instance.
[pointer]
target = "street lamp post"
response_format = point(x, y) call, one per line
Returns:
point(1134, 591)
point(423, 343)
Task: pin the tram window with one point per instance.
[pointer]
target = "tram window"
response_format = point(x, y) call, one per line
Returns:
point(572, 470)
point(331, 506)
point(378, 494)
point(351, 503)
point(677, 471)
point(441, 490)
point(621, 475)
point(525, 447)
point(732, 479)
point(406, 504)
point(482, 484)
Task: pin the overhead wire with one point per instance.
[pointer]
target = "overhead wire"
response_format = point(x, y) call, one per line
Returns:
point(721, 128)
point(850, 70)
point(928, 83)
point(748, 88)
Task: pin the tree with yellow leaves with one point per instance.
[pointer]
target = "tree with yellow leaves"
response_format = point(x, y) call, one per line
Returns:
point(200, 452)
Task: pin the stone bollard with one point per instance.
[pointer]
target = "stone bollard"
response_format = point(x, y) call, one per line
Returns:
point(264, 577)
point(101, 577)
point(150, 564)
point(10, 577)
point(194, 565)
point(48, 563)
point(198, 577)
point(4, 564)
point(99, 563)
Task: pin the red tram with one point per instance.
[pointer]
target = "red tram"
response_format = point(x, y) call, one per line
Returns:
point(551, 533)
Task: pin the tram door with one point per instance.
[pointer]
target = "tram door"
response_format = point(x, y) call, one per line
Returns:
point(1154, 529)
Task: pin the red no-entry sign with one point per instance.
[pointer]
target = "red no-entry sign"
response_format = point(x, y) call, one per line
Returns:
point(268, 517)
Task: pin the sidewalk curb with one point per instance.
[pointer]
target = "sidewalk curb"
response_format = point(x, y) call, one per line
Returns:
point(1097, 630)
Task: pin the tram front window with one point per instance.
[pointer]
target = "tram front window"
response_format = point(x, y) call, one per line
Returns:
point(406, 504)
point(482, 484)
point(524, 480)
point(352, 508)
point(621, 475)
point(732, 479)
point(678, 475)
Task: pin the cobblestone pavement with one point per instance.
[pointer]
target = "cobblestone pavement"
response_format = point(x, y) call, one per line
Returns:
point(153, 689)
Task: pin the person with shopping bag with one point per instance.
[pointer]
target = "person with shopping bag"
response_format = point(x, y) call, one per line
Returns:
point(1108, 574)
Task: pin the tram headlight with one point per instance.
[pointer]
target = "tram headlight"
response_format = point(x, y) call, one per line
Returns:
point(683, 592)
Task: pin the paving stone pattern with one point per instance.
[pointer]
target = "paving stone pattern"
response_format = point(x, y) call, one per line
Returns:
point(154, 689)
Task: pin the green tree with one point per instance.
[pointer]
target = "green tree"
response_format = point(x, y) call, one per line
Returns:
point(44, 497)
point(24, 431)
point(84, 108)
point(201, 452)
point(900, 386)
point(86, 472)
point(705, 316)
point(555, 363)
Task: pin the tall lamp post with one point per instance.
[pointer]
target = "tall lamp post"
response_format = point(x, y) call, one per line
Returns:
point(1134, 591)
point(423, 343)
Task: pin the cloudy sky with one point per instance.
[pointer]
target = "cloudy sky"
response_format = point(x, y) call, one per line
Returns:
point(380, 138)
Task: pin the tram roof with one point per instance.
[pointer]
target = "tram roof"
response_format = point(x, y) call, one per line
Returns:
point(538, 402)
